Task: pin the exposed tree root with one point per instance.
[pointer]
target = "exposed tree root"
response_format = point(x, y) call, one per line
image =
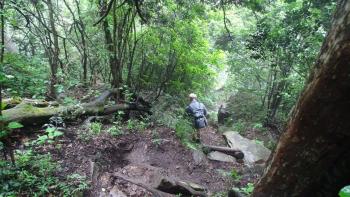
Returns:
point(238, 154)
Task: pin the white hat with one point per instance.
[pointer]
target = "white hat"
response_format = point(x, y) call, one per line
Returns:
point(192, 95)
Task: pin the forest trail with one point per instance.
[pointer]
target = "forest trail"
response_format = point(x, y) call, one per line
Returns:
point(129, 164)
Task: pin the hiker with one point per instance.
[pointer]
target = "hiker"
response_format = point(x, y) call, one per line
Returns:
point(197, 111)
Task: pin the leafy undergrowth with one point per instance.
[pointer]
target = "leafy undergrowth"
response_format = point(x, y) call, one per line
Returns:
point(36, 174)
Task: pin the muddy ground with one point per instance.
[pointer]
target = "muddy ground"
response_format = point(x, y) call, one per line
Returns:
point(128, 164)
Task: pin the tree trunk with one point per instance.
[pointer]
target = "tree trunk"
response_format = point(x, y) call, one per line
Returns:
point(110, 47)
point(2, 20)
point(312, 157)
point(55, 53)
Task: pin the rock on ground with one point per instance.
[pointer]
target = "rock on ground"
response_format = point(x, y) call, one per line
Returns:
point(253, 152)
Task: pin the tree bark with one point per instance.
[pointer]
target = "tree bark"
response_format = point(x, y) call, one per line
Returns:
point(312, 157)
point(2, 20)
point(55, 53)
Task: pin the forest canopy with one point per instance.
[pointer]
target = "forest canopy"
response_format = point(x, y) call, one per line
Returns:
point(166, 47)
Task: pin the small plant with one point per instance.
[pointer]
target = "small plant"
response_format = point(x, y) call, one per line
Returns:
point(259, 142)
point(248, 189)
point(156, 139)
point(344, 192)
point(115, 130)
point(127, 93)
point(52, 131)
point(271, 145)
point(75, 184)
point(136, 125)
point(69, 101)
point(235, 176)
point(5, 132)
point(5, 140)
point(157, 142)
point(50, 134)
point(257, 126)
point(119, 116)
point(184, 130)
point(96, 127)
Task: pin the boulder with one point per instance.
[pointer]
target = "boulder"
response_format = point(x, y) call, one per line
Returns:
point(253, 152)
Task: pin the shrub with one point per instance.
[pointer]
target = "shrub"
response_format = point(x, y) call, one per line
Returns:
point(185, 132)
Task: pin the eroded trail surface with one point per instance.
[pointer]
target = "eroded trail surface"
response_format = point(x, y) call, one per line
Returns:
point(145, 164)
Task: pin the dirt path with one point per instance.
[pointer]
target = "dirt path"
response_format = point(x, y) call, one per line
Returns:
point(142, 158)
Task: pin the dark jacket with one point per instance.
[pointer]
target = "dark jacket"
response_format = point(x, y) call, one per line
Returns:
point(198, 111)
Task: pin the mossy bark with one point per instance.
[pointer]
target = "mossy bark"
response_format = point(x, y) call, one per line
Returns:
point(38, 112)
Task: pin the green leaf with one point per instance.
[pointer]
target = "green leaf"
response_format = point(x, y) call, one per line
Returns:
point(3, 105)
point(55, 134)
point(14, 125)
point(3, 134)
point(345, 192)
point(42, 139)
point(50, 129)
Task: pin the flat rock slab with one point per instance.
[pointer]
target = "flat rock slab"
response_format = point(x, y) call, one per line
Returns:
point(253, 152)
point(219, 156)
point(199, 157)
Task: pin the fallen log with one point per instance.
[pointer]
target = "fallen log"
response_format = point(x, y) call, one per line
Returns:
point(30, 113)
point(238, 154)
point(14, 102)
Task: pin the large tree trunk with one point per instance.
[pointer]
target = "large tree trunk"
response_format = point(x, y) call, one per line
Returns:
point(313, 155)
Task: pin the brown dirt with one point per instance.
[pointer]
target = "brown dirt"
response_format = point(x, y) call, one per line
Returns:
point(210, 136)
point(142, 157)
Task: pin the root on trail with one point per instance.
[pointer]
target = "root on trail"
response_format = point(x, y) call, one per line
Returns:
point(238, 154)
